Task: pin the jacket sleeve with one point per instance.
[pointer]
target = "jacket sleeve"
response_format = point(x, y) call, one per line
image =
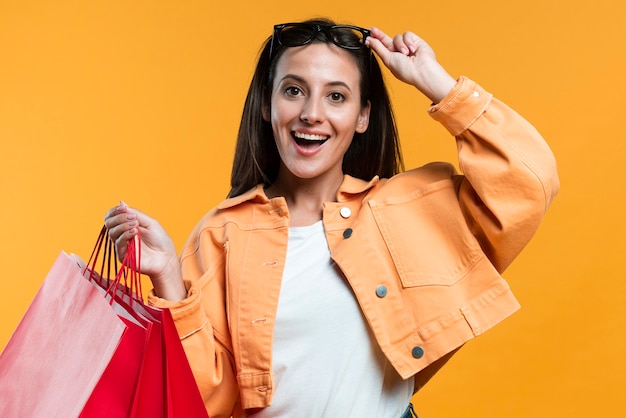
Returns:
point(509, 172)
point(202, 324)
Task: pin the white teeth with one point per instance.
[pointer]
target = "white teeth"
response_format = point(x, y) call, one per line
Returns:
point(310, 137)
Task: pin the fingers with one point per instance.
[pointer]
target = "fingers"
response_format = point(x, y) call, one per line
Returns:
point(380, 43)
point(158, 252)
point(411, 60)
point(406, 43)
point(122, 223)
point(379, 38)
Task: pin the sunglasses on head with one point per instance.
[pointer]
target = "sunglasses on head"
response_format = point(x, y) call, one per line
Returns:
point(299, 34)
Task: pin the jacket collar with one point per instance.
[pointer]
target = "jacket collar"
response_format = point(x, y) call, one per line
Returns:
point(349, 186)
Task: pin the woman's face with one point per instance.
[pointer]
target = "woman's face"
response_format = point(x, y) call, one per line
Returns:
point(315, 110)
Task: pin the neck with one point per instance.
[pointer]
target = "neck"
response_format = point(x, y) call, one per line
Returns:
point(305, 197)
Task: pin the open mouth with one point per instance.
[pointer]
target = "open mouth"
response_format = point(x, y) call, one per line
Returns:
point(309, 140)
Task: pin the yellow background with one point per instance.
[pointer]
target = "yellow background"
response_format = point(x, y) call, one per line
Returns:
point(140, 100)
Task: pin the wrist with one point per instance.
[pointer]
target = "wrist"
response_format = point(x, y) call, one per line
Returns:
point(168, 283)
point(434, 82)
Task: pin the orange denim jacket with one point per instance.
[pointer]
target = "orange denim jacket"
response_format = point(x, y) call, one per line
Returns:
point(422, 251)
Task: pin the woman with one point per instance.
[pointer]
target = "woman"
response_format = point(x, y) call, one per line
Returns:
point(330, 283)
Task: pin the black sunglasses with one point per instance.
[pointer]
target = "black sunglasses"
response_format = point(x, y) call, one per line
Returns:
point(299, 34)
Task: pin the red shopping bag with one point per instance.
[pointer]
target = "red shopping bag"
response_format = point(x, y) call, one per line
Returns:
point(182, 396)
point(60, 349)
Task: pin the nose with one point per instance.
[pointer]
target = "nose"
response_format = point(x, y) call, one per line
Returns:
point(312, 111)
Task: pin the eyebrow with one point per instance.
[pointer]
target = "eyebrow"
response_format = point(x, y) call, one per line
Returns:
point(302, 80)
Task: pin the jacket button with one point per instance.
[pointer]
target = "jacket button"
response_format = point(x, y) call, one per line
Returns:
point(381, 291)
point(417, 352)
point(347, 233)
point(345, 212)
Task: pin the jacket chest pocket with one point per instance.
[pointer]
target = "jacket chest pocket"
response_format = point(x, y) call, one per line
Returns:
point(427, 236)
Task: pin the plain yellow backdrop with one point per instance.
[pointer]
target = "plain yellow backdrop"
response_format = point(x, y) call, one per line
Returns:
point(140, 100)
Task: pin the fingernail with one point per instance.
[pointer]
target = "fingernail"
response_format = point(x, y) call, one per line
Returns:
point(131, 216)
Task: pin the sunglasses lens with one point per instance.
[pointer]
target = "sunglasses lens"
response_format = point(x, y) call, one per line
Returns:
point(296, 35)
point(347, 37)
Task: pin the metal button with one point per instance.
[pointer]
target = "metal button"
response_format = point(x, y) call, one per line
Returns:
point(347, 233)
point(345, 212)
point(417, 352)
point(476, 94)
point(381, 291)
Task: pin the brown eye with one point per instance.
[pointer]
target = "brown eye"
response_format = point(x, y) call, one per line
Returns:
point(337, 97)
point(293, 91)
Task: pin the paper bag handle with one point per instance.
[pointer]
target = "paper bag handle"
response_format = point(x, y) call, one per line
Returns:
point(129, 272)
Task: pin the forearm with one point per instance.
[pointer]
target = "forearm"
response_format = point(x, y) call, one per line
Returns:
point(433, 81)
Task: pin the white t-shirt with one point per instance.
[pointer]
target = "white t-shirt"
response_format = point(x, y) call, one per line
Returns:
point(325, 360)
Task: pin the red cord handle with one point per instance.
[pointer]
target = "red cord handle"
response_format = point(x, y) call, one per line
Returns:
point(129, 272)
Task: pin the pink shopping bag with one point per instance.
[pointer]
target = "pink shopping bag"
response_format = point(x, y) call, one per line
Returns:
point(60, 349)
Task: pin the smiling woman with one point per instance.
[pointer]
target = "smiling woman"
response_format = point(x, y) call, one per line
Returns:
point(328, 267)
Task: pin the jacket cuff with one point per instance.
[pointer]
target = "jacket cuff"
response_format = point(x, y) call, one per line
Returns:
point(188, 314)
point(465, 103)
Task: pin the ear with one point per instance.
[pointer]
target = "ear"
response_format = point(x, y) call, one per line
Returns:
point(265, 111)
point(364, 118)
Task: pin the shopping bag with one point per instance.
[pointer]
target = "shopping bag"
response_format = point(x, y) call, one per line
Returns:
point(60, 349)
point(182, 396)
point(166, 386)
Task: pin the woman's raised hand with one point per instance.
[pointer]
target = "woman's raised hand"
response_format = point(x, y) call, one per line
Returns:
point(159, 259)
point(411, 60)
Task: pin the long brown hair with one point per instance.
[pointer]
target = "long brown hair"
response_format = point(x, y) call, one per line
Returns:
point(374, 152)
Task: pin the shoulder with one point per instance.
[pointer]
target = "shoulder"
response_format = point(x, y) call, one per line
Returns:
point(248, 211)
point(233, 208)
point(416, 179)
